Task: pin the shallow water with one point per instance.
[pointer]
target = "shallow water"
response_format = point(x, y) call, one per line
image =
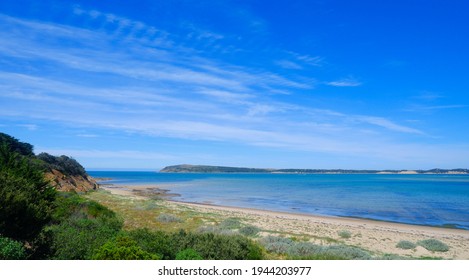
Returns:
point(437, 200)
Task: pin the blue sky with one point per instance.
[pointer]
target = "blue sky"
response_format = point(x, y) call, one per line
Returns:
point(300, 84)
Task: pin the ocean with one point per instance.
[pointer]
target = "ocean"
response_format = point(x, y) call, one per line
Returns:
point(434, 200)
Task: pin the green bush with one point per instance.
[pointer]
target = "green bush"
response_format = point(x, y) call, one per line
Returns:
point(345, 234)
point(249, 230)
point(11, 249)
point(168, 218)
point(208, 245)
point(188, 254)
point(219, 247)
point(122, 248)
point(406, 245)
point(80, 228)
point(26, 198)
point(156, 242)
point(433, 245)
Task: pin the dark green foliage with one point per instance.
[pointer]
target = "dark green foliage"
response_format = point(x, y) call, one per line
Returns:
point(81, 227)
point(156, 242)
point(26, 199)
point(122, 248)
point(433, 245)
point(406, 245)
point(11, 249)
point(220, 247)
point(188, 254)
point(64, 164)
point(249, 230)
point(15, 145)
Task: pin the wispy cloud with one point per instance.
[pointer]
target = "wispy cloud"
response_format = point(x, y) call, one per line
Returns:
point(347, 82)
point(150, 84)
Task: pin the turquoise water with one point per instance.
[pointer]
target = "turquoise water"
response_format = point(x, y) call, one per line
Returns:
point(437, 200)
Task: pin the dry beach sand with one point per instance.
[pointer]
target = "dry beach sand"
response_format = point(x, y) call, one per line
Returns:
point(375, 236)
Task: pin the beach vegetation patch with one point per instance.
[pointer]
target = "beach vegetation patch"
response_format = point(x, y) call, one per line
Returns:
point(276, 244)
point(406, 245)
point(230, 223)
point(249, 230)
point(303, 249)
point(168, 218)
point(344, 234)
point(433, 245)
point(345, 252)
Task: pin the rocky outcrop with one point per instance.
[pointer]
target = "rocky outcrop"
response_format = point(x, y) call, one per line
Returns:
point(78, 183)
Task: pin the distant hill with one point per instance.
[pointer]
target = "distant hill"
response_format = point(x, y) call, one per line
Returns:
point(187, 168)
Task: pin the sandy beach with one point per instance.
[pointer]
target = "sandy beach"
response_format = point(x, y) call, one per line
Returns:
point(376, 236)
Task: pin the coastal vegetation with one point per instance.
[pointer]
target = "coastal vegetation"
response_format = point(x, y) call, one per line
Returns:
point(433, 245)
point(406, 245)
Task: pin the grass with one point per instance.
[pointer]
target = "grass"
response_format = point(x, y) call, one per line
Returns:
point(433, 245)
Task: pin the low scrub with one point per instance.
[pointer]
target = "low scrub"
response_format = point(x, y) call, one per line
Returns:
point(345, 234)
point(123, 248)
point(433, 245)
point(406, 245)
point(230, 223)
point(209, 246)
point(249, 230)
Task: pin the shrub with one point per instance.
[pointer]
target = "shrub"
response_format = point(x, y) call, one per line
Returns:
point(11, 249)
point(26, 198)
point(168, 218)
point(276, 244)
point(156, 242)
point(433, 245)
point(345, 234)
point(188, 254)
point(249, 230)
point(302, 249)
point(230, 223)
point(219, 247)
point(345, 252)
point(122, 248)
point(80, 228)
point(406, 245)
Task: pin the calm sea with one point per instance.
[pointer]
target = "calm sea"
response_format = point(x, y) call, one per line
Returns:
point(437, 200)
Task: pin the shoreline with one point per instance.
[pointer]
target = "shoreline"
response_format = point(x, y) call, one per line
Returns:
point(376, 236)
